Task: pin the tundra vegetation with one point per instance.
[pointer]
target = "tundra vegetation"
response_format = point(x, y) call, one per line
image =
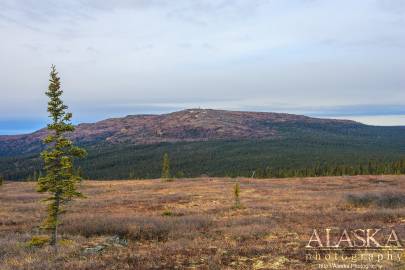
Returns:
point(120, 225)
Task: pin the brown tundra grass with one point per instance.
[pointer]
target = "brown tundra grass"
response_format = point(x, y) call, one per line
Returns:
point(192, 224)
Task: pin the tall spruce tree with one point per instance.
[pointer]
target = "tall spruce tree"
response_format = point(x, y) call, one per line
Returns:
point(166, 167)
point(59, 181)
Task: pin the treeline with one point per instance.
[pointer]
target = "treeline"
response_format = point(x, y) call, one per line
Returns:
point(372, 168)
point(36, 174)
point(304, 156)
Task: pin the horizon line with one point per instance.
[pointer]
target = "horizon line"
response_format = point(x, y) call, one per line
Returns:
point(37, 124)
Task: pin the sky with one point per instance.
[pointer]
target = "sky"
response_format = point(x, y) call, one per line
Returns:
point(332, 59)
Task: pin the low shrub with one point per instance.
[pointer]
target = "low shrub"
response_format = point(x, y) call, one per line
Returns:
point(362, 200)
point(384, 200)
point(37, 241)
point(167, 213)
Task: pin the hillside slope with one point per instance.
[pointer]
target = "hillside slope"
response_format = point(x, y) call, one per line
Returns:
point(186, 125)
point(212, 142)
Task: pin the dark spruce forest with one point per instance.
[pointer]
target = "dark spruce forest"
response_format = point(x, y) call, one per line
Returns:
point(217, 143)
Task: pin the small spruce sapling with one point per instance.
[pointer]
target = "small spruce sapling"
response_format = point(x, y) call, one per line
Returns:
point(236, 193)
point(166, 167)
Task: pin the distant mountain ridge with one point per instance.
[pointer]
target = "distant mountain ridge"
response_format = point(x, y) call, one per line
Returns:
point(213, 142)
point(182, 126)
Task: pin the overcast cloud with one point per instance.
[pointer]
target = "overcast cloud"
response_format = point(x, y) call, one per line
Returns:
point(323, 58)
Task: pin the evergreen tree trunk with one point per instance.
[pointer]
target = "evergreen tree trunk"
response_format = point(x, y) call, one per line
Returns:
point(54, 230)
